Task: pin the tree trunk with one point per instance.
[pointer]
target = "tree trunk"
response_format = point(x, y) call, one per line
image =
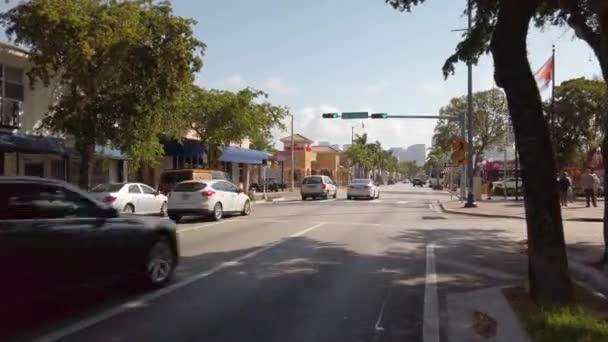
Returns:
point(605, 228)
point(87, 153)
point(547, 260)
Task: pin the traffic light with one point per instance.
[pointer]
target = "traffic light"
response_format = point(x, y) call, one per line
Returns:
point(355, 115)
point(330, 115)
point(379, 116)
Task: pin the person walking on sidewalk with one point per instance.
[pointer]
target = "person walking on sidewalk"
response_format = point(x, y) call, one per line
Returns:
point(564, 186)
point(588, 183)
point(490, 189)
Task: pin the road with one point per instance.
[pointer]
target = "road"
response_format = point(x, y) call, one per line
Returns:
point(328, 270)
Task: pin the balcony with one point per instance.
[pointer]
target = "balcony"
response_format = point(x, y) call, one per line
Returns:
point(10, 114)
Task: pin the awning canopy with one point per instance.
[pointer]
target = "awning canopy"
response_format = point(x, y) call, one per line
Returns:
point(25, 143)
point(185, 148)
point(243, 155)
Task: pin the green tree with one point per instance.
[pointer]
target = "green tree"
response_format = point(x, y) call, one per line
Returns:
point(222, 117)
point(408, 169)
point(501, 27)
point(490, 118)
point(575, 115)
point(121, 66)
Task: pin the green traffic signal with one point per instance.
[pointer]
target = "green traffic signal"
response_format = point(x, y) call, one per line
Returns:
point(330, 115)
point(379, 116)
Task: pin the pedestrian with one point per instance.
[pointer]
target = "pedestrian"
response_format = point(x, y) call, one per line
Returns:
point(564, 186)
point(570, 191)
point(588, 183)
point(490, 189)
point(596, 187)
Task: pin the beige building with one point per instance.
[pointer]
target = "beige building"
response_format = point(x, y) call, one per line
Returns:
point(310, 160)
point(24, 151)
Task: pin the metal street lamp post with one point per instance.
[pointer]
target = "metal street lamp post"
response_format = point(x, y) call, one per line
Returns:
point(293, 184)
point(470, 196)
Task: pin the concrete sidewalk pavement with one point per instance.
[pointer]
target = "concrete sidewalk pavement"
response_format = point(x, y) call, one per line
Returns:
point(510, 208)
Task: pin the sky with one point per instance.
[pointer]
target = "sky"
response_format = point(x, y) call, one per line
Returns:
point(319, 56)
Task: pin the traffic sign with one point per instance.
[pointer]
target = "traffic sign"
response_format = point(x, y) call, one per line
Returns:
point(355, 115)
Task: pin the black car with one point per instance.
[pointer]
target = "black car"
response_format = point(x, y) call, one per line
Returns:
point(55, 238)
point(417, 182)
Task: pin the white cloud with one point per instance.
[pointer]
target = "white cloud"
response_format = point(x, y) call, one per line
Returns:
point(234, 82)
point(275, 85)
point(377, 88)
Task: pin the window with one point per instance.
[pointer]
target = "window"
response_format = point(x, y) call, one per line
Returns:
point(112, 187)
point(40, 201)
point(219, 186)
point(230, 187)
point(189, 187)
point(134, 189)
point(11, 95)
point(147, 190)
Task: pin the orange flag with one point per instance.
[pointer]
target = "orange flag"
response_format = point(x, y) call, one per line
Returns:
point(544, 76)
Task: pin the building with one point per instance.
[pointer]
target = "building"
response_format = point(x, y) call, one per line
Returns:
point(415, 153)
point(24, 151)
point(310, 160)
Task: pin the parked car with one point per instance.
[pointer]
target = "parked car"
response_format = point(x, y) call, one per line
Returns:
point(417, 182)
point(318, 187)
point(135, 198)
point(362, 188)
point(169, 178)
point(212, 198)
point(55, 238)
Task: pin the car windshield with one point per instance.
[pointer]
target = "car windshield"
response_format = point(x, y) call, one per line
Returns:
point(360, 181)
point(189, 187)
point(313, 180)
point(110, 187)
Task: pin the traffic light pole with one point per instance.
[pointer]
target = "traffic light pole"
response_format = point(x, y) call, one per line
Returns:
point(470, 196)
point(293, 187)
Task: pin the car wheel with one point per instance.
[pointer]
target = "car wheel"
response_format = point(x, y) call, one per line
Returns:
point(160, 264)
point(163, 209)
point(246, 209)
point(218, 211)
point(175, 218)
point(336, 193)
point(348, 198)
point(129, 209)
point(303, 198)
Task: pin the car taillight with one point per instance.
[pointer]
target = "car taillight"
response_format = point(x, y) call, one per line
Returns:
point(207, 193)
point(323, 186)
point(109, 199)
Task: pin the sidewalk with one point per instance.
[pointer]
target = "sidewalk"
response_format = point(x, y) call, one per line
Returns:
point(500, 208)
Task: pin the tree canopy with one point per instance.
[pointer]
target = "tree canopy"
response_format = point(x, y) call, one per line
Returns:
point(121, 68)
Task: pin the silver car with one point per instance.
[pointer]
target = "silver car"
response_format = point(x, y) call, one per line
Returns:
point(211, 198)
point(134, 198)
point(362, 188)
point(318, 187)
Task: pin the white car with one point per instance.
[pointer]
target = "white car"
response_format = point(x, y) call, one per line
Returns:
point(318, 186)
point(362, 188)
point(134, 198)
point(209, 197)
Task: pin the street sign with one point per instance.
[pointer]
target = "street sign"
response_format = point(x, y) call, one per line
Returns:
point(355, 115)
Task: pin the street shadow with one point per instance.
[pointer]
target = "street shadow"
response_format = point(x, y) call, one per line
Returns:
point(299, 290)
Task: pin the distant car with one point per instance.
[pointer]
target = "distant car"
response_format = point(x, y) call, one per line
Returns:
point(212, 198)
point(56, 238)
point(417, 182)
point(135, 198)
point(362, 188)
point(318, 187)
point(169, 178)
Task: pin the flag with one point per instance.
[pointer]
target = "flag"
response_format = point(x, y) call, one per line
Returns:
point(544, 76)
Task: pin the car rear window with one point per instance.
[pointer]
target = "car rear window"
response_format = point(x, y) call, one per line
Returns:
point(313, 180)
point(189, 187)
point(113, 187)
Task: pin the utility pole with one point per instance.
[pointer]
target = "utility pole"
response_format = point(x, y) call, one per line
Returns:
point(293, 172)
point(470, 196)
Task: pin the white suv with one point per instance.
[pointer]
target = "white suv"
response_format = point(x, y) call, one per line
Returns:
point(318, 186)
point(209, 197)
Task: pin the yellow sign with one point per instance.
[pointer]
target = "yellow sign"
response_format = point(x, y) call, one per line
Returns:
point(459, 151)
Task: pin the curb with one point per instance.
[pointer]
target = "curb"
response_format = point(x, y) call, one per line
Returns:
point(457, 212)
point(270, 200)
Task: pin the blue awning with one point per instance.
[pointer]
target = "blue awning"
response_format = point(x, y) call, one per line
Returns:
point(26, 143)
point(243, 155)
point(185, 148)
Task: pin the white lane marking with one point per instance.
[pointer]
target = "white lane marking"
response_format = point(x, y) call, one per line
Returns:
point(378, 327)
point(430, 329)
point(201, 226)
point(403, 202)
point(142, 300)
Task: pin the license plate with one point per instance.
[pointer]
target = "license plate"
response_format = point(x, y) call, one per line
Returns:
point(185, 196)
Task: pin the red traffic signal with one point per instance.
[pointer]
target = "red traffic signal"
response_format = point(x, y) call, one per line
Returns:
point(330, 115)
point(379, 116)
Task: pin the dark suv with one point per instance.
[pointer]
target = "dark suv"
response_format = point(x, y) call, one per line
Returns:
point(55, 238)
point(417, 182)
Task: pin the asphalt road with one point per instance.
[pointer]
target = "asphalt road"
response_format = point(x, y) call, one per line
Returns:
point(328, 270)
